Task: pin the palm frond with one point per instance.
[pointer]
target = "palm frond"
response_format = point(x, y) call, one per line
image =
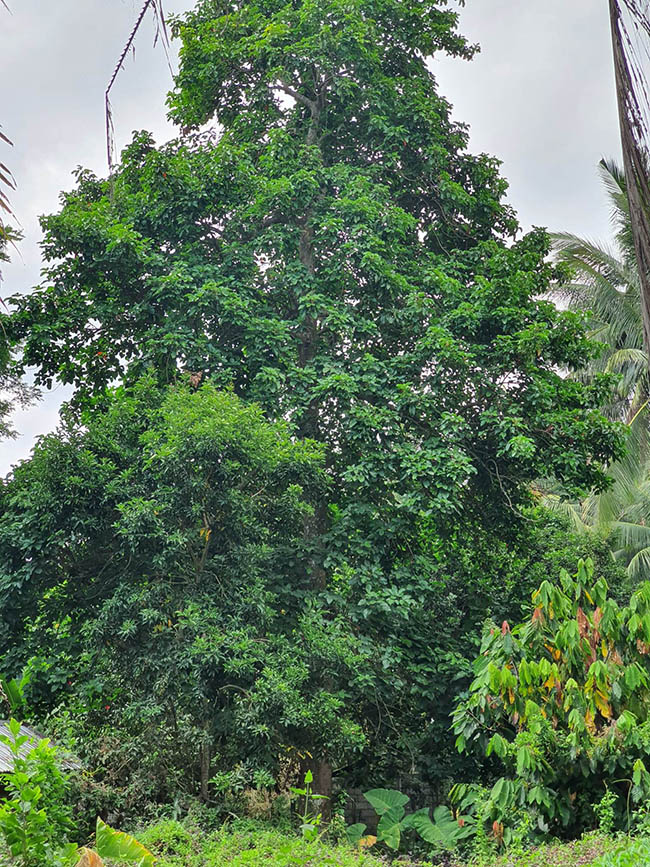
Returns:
point(6, 182)
point(156, 7)
point(638, 567)
point(569, 510)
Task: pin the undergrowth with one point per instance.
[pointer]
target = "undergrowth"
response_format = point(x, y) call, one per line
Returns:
point(246, 844)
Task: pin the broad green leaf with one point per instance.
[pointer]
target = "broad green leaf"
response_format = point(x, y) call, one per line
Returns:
point(385, 799)
point(390, 827)
point(354, 833)
point(121, 847)
point(422, 823)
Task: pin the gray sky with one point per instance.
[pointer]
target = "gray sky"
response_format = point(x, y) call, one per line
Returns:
point(539, 96)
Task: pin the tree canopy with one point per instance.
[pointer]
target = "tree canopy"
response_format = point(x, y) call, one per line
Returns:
point(328, 249)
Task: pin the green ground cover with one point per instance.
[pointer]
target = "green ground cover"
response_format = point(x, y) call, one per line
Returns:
point(259, 845)
point(245, 843)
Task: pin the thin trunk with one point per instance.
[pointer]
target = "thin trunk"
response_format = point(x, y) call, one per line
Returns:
point(635, 161)
point(316, 525)
point(323, 779)
point(321, 770)
point(205, 759)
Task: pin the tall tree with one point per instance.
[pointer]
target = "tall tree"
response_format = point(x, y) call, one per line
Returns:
point(630, 34)
point(169, 586)
point(334, 253)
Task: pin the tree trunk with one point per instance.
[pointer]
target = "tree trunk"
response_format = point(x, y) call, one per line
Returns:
point(635, 162)
point(321, 770)
point(315, 526)
point(204, 755)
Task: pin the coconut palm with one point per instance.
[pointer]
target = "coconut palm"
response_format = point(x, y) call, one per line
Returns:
point(605, 285)
point(621, 515)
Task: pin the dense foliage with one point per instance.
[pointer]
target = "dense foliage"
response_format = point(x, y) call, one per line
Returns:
point(14, 392)
point(561, 700)
point(155, 579)
point(604, 284)
point(154, 563)
point(316, 373)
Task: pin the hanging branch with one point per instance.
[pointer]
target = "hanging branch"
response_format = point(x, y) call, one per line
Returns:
point(630, 41)
point(161, 31)
point(6, 180)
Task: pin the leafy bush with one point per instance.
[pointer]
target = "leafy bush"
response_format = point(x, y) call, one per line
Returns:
point(34, 816)
point(628, 853)
point(443, 833)
point(562, 701)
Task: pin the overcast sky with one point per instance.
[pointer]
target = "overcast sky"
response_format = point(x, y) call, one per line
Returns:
point(540, 96)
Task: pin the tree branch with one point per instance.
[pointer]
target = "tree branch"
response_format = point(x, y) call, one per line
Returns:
point(311, 104)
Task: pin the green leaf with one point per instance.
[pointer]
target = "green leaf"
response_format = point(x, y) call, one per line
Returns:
point(390, 827)
point(121, 847)
point(638, 770)
point(422, 823)
point(386, 799)
point(502, 793)
point(444, 830)
point(354, 833)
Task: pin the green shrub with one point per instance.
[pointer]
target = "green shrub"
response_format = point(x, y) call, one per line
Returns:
point(562, 702)
point(34, 815)
point(629, 853)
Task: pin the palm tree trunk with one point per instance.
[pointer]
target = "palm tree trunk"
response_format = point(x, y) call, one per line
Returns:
point(630, 93)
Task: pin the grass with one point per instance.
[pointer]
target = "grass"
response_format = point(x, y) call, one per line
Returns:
point(592, 850)
point(585, 852)
point(256, 844)
point(245, 844)
point(251, 844)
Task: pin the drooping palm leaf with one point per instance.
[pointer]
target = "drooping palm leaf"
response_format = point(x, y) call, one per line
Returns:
point(621, 514)
point(613, 178)
point(156, 7)
point(6, 181)
point(605, 287)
